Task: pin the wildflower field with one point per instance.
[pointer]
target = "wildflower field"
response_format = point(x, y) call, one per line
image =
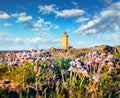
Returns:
point(37, 74)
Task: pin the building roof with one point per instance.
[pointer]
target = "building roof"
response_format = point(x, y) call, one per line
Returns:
point(64, 33)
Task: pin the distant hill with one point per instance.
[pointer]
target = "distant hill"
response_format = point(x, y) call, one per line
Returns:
point(72, 52)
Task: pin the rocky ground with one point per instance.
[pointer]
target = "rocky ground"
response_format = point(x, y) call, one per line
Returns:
point(72, 52)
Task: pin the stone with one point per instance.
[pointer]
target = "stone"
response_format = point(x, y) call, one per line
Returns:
point(6, 81)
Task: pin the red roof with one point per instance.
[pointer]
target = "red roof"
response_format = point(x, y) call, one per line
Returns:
point(64, 33)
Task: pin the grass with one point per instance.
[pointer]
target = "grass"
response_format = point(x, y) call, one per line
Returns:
point(56, 82)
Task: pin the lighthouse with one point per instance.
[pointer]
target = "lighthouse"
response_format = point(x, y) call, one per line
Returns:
point(65, 41)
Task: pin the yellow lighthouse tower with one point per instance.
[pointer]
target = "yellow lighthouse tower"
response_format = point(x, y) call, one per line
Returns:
point(64, 41)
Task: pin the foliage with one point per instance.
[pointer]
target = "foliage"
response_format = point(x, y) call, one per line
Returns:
point(58, 82)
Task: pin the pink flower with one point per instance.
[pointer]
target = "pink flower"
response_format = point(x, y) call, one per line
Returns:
point(81, 57)
point(110, 57)
point(77, 60)
point(21, 61)
point(52, 66)
point(103, 54)
point(111, 69)
point(78, 70)
point(86, 56)
point(43, 59)
point(31, 60)
point(94, 58)
point(105, 60)
point(94, 54)
point(110, 64)
point(33, 54)
point(71, 68)
point(78, 65)
point(94, 64)
point(72, 63)
point(85, 62)
point(89, 54)
point(10, 63)
point(98, 60)
point(84, 73)
point(89, 63)
point(74, 70)
point(35, 68)
point(96, 78)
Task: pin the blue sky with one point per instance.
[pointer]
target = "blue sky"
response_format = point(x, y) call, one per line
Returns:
point(26, 24)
